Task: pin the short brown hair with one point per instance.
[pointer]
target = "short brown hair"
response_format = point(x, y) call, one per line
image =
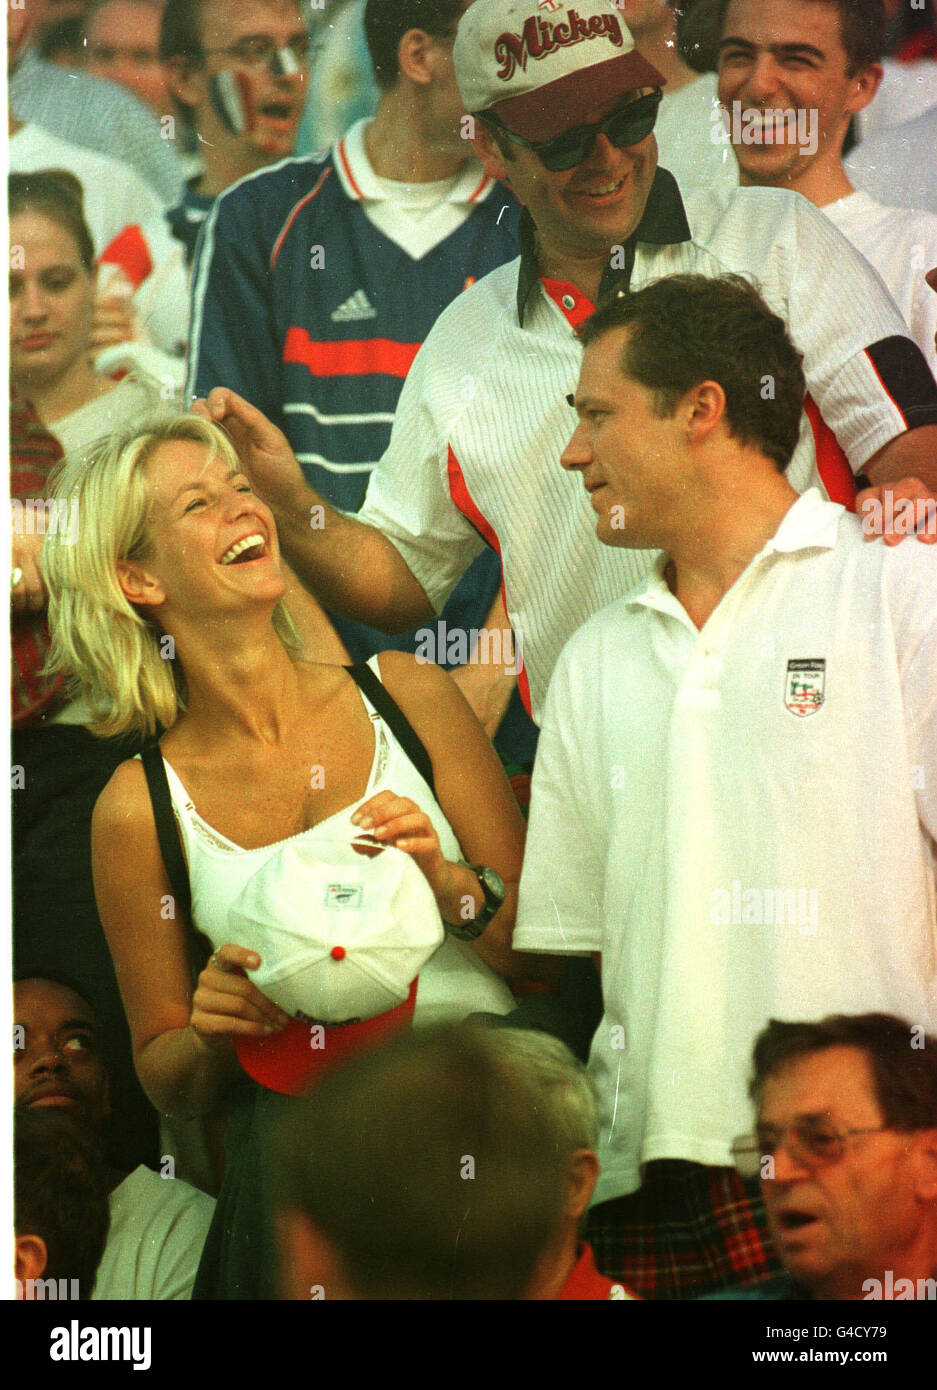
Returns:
point(903, 1061)
point(691, 328)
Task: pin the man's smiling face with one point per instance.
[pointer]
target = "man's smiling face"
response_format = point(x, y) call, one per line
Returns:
point(586, 210)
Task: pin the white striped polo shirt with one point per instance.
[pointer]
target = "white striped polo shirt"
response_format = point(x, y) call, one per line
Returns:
point(483, 417)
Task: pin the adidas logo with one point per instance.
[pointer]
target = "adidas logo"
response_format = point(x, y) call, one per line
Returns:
point(356, 306)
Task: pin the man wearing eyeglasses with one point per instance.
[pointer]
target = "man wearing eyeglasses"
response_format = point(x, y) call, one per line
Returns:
point(846, 1150)
point(237, 69)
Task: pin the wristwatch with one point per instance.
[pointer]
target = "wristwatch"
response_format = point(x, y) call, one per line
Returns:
point(492, 885)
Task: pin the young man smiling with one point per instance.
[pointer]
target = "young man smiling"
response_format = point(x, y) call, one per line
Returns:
point(819, 61)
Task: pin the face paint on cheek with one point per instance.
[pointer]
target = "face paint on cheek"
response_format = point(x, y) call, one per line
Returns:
point(232, 97)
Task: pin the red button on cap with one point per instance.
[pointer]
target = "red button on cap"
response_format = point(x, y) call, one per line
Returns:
point(338, 952)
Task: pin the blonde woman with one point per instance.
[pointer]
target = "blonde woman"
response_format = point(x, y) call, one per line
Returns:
point(168, 613)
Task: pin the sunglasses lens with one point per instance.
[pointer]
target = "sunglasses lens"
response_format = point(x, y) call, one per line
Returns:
point(623, 128)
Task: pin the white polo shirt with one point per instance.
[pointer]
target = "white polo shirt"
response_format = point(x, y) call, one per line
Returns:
point(742, 820)
point(483, 417)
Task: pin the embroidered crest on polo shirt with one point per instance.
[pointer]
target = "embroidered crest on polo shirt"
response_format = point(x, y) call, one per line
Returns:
point(539, 38)
point(805, 689)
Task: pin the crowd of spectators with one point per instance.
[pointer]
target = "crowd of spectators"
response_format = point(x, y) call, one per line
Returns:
point(474, 660)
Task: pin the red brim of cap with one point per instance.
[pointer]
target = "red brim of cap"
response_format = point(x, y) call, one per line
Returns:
point(288, 1062)
point(567, 102)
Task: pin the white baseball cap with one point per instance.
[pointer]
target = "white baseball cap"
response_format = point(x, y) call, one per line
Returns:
point(543, 65)
point(342, 933)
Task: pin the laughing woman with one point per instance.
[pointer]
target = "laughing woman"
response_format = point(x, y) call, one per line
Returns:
point(177, 558)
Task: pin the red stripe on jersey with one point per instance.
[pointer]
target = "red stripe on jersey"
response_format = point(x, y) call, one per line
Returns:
point(485, 180)
point(881, 382)
point(129, 251)
point(359, 357)
point(458, 491)
point(347, 167)
point(294, 212)
point(582, 307)
point(832, 464)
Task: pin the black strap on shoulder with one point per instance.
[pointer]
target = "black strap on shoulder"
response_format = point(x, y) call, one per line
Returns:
point(167, 831)
point(395, 719)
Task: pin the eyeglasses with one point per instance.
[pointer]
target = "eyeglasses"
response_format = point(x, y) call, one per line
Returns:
point(627, 125)
point(256, 51)
point(812, 1143)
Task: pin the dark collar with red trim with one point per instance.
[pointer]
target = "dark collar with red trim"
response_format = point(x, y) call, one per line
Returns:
point(663, 222)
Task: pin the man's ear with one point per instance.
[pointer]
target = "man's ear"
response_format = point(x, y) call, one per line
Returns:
point(416, 56)
point(138, 585)
point(485, 147)
point(926, 1166)
point(185, 80)
point(702, 408)
point(582, 1174)
point(30, 1259)
point(865, 83)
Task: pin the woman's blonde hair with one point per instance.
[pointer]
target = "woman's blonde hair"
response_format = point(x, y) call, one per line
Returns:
point(113, 655)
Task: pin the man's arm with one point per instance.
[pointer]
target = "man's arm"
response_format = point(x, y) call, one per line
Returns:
point(351, 567)
point(911, 455)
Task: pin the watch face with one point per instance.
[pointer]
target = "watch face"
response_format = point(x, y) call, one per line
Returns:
point(492, 886)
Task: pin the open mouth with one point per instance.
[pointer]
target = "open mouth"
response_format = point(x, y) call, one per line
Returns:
point(281, 115)
point(789, 1221)
point(252, 547)
point(599, 192)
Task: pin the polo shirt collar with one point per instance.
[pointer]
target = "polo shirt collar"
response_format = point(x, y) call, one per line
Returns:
point(810, 523)
point(362, 184)
point(663, 223)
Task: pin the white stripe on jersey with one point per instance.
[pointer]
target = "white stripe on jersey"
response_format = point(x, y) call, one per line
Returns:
point(334, 467)
point(375, 417)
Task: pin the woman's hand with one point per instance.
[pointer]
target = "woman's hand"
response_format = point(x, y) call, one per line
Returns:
point(225, 1003)
point(398, 821)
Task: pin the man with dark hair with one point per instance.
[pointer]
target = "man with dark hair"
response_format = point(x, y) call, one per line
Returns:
point(237, 70)
point(425, 1170)
point(792, 75)
point(846, 1150)
point(120, 42)
point(705, 814)
point(158, 1223)
point(60, 1207)
point(317, 281)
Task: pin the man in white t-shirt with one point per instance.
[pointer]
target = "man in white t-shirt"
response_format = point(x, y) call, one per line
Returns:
point(792, 75)
point(732, 803)
point(158, 1223)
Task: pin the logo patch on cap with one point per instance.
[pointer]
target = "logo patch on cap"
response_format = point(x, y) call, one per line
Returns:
point(539, 38)
point(806, 682)
point(344, 895)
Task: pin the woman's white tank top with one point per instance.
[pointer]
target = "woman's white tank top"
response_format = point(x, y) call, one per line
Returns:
point(452, 984)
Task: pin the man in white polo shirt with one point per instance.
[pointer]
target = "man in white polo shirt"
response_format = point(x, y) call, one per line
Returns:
point(733, 800)
point(565, 110)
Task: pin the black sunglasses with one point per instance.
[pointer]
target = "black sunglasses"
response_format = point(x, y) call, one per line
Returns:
point(627, 125)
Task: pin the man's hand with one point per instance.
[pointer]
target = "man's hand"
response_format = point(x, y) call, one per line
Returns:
point(263, 449)
point(896, 510)
point(28, 594)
